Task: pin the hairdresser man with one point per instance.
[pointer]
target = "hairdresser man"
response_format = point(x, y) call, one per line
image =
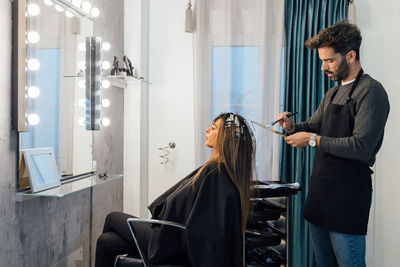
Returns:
point(347, 131)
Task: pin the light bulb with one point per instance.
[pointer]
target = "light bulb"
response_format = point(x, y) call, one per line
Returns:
point(95, 12)
point(82, 102)
point(82, 121)
point(82, 65)
point(105, 83)
point(33, 9)
point(77, 3)
point(48, 2)
point(33, 91)
point(105, 103)
point(59, 8)
point(82, 46)
point(33, 64)
point(105, 121)
point(86, 6)
point(106, 46)
point(68, 14)
point(105, 65)
point(82, 84)
point(33, 119)
point(33, 37)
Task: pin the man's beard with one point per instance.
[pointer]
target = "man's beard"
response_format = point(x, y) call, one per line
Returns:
point(342, 73)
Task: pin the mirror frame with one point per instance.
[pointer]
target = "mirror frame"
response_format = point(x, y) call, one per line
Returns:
point(19, 77)
point(18, 65)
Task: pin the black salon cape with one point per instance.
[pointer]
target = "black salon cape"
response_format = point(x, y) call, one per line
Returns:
point(212, 215)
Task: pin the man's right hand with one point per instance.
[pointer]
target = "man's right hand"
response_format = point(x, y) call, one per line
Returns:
point(287, 123)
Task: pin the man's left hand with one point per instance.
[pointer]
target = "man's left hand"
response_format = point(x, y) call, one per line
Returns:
point(299, 139)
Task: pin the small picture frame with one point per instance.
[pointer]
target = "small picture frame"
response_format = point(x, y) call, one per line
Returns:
point(42, 168)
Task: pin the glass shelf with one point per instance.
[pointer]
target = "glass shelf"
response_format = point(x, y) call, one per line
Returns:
point(74, 76)
point(120, 80)
point(78, 75)
point(68, 187)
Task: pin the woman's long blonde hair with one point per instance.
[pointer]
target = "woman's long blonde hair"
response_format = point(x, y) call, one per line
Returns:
point(235, 147)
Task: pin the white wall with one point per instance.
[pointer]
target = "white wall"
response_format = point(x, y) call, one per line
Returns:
point(162, 52)
point(135, 109)
point(379, 23)
point(171, 109)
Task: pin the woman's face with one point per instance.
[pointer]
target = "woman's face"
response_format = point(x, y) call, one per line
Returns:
point(212, 133)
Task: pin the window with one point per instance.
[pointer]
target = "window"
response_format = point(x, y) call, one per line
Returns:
point(241, 93)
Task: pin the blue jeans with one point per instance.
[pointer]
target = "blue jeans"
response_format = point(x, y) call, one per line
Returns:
point(336, 249)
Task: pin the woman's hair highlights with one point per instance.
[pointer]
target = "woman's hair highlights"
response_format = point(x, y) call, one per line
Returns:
point(236, 149)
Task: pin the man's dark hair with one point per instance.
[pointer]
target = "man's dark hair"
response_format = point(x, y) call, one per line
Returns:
point(342, 37)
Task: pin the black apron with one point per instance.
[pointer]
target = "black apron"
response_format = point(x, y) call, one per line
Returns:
point(339, 194)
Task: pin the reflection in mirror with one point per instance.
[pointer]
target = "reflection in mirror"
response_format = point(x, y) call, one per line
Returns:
point(56, 86)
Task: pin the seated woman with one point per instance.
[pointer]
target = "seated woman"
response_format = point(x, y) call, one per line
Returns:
point(212, 201)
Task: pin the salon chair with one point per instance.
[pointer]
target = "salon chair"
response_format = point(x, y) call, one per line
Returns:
point(128, 261)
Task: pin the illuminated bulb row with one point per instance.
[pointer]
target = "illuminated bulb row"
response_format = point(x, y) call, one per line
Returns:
point(105, 65)
point(33, 92)
point(32, 64)
point(84, 5)
point(57, 7)
point(105, 103)
point(106, 47)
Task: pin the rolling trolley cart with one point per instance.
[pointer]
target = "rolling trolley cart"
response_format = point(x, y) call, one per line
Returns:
point(267, 231)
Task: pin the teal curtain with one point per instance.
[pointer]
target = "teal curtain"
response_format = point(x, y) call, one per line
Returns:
point(305, 85)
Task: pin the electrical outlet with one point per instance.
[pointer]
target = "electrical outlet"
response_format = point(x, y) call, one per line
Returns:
point(94, 165)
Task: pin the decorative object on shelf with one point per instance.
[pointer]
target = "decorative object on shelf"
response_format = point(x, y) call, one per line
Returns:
point(189, 23)
point(166, 150)
point(116, 70)
point(103, 175)
point(128, 65)
point(41, 167)
point(127, 71)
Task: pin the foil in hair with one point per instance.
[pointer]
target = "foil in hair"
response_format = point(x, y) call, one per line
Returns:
point(233, 120)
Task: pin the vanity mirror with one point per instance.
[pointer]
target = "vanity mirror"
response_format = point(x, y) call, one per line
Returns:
point(51, 56)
